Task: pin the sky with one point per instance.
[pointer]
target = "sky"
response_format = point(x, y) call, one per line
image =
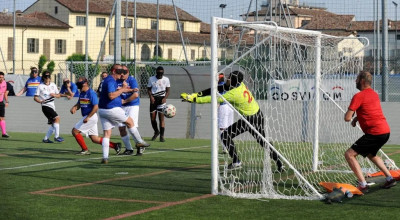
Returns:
point(204, 9)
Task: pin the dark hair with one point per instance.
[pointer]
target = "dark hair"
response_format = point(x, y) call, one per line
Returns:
point(236, 78)
point(45, 73)
point(114, 66)
point(160, 68)
point(1, 73)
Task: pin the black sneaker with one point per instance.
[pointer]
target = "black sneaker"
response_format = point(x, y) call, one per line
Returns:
point(117, 148)
point(5, 136)
point(155, 136)
point(364, 189)
point(47, 141)
point(127, 152)
point(389, 184)
point(104, 161)
point(140, 151)
point(162, 139)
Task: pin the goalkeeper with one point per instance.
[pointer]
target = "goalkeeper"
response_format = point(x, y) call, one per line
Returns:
point(243, 101)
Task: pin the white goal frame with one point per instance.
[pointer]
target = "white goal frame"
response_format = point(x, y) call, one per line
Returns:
point(316, 72)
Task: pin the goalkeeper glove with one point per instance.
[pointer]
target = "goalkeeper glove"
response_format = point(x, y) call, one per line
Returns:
point(189, 97)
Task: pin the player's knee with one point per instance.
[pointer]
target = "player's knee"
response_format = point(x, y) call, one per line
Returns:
point(74, 131)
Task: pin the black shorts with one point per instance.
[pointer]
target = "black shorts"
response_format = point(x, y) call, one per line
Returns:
point(157, 102)
point(2, 109)
point(370, 144)
point(50, 114)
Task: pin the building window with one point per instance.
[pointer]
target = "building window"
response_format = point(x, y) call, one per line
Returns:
point(170, 53)
point(128, 23)
point(80, 21)
point(204, 54)
point(192, 54)
point(46, 48)
point(33, 45)
point(56, 10)
point(100, 22)
point(79, 47)
point(398, 37)
point(153, 24)
point(223, 54)
point(182, 26)
point(61, 46)
point(10, 45)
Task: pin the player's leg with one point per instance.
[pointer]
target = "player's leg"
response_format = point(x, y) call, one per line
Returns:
point(126, 140)
point(106, 118)
point(350, 156)
point(377, 143)
point(229, 134)
point(134, 132)
point(48, 112)
point(3, 120)
point(258, 123)
point(54, 119)
point(79, 139)
point(153, 114)
point(161, 118)
point(124, 134)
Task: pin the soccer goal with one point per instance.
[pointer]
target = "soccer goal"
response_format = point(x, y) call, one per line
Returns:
point(303, 82)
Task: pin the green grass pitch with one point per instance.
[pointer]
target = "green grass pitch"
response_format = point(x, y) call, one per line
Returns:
point(170, 181)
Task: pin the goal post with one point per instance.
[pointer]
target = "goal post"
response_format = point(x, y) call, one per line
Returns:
point(302, 81)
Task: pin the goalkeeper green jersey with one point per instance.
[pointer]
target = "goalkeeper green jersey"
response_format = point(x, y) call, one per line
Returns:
point(239, 97)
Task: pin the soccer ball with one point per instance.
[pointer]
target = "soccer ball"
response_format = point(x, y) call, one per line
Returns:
point(169, 111)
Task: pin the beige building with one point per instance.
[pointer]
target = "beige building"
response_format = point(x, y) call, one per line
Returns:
point(57, 28)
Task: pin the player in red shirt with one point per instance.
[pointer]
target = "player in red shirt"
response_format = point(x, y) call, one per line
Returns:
point(373, 123)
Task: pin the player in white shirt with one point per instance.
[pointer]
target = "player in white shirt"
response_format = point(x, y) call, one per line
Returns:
point(45, 94)
point(158, 91)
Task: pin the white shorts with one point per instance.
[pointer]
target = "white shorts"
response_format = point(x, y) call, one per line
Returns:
point(133, 112)
point(112, 117)
point(90, 127)
point(225, 116)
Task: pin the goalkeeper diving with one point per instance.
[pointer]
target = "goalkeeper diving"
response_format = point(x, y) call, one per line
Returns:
point(243, 101)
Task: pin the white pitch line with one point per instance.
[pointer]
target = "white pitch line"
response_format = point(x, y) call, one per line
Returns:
point(97, 158)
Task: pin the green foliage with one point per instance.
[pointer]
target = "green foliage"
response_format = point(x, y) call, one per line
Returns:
point(78, 57)
point(79, 69)
point(203, 59)
point(50, 67)
point(160, 59)
point(42, 62)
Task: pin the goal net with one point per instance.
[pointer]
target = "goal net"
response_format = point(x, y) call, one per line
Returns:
point(303, 82)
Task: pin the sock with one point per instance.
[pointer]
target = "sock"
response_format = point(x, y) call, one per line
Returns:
point(135, 135)
point(49, 132)
point(154, 125)
point(3, 126)
point(127, 142)
point(105, 143)
point(363, 184)
point(388, 178)
point(57, 130)
point(162, 129)
point(111, 144)
point(80, 141)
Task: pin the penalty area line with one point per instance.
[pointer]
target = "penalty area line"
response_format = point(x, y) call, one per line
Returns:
point(97, 158)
